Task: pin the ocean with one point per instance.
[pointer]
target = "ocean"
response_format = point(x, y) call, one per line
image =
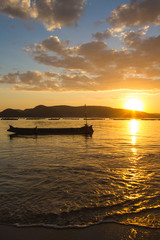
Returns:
point(77, 181)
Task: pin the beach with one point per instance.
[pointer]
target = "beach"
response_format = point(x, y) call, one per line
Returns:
point(109, 231)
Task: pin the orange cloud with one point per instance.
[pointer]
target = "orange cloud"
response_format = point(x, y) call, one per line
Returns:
point(92, 66)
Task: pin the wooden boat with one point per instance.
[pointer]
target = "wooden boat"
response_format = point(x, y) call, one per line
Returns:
point(86, 130)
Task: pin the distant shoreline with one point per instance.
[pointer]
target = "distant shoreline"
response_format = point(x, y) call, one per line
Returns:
point(62, 111)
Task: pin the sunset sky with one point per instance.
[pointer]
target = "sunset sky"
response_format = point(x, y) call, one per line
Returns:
point(69, 52)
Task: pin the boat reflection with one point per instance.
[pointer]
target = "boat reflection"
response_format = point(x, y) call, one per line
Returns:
point(14, 136)
point(17, 136)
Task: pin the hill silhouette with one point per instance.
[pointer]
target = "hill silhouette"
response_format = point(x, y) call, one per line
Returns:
point(70, 111)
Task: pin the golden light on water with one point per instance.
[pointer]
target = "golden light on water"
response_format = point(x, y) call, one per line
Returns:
point(134, 125)
point(133, 138)
point(134, 104)
point(134, 150)
point(133, 128)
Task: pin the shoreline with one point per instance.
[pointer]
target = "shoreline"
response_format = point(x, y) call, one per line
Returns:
point(110, 231)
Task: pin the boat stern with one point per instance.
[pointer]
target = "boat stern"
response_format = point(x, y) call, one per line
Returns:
point(88, 129)
point(10, 129)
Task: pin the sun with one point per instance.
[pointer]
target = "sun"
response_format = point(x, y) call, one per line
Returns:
point(134, 104)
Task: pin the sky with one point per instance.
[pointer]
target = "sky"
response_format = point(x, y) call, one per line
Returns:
point(69, 52)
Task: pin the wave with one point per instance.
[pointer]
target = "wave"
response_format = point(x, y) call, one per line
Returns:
point(80, 226)
point(86, 217)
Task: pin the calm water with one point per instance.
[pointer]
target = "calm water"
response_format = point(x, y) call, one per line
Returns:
point(113, 176)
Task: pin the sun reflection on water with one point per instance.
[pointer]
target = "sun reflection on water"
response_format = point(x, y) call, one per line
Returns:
point(133, 175)
point(134, 150)
point(133, 128)
point(133, 140)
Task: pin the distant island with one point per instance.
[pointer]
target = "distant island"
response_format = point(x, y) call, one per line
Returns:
point(63, 111)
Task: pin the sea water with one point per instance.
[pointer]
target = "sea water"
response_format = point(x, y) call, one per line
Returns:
point(75, 180)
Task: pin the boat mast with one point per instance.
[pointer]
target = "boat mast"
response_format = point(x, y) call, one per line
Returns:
point(85, 112)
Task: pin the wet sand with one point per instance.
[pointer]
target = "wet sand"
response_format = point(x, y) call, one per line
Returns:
point(110, 231)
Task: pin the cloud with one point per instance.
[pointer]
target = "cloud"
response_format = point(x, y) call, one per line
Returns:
point(132, 39)
point(92, 66)
point(16, 8)
point(102, 35)
point(47, 81)
point(114, 32)
point(142, 31)
point(54, 44)
point(56, 54)
point(137, 12)
point(57, 13)
point(52, 13)
point(31, 80)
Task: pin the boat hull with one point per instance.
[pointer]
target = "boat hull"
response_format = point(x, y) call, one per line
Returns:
point(87, 130)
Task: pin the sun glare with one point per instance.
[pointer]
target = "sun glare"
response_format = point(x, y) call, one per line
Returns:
point(134, 104)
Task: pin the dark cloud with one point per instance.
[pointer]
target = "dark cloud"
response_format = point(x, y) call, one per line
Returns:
point(58, 13)
point(102, 35)
point(136, 13)
point(54, 44)
point(17, 8)
point(53, 14)
point(132, 39)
